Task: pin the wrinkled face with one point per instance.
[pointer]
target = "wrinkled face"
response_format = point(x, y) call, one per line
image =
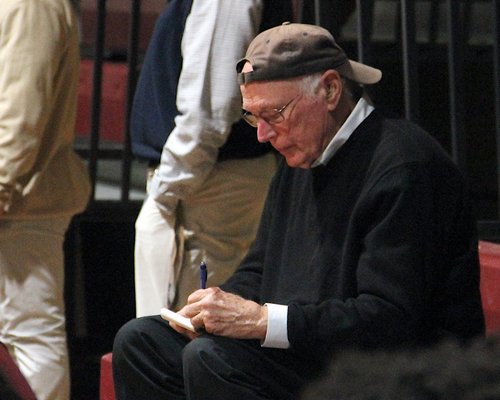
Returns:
point(304, 128)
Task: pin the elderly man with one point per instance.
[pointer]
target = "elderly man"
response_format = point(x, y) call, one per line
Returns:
point(366, 241)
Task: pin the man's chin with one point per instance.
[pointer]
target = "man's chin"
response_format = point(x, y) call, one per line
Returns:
point(297, 163)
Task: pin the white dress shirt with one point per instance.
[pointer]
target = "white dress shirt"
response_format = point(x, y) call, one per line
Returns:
point(208, 96)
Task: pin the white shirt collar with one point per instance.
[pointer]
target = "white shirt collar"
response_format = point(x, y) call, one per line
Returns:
point(362, 109)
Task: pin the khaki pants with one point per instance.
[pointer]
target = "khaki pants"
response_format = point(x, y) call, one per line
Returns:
point(216, 224)
point(32, 317)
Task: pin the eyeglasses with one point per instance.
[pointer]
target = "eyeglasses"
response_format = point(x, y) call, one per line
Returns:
point(272, 117)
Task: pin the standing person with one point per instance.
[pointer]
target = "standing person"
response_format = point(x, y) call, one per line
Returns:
point(43, 183)
point(206, 196)
point(366, 241)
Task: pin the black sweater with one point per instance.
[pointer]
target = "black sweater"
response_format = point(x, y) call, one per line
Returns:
point(377, 249)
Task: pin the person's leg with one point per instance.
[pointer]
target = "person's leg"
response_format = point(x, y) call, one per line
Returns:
point(32, 312)
point(220, 220)
point(147, 361)
point(155, 259)
point(152, 361)
point(218, 368)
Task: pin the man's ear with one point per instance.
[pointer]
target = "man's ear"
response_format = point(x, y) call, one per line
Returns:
point(332, 82)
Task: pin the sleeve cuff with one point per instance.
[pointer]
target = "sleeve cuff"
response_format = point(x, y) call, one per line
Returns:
point(166, 202)
point(277, 327)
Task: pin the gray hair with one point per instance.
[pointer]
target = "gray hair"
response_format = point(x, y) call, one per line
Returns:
point(309, 84)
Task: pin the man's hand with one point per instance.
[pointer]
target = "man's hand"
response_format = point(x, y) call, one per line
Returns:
point(224, 314)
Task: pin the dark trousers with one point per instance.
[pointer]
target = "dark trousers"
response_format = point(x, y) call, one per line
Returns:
point(151, 361)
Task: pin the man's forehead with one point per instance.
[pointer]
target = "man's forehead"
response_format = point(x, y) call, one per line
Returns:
point(269, 91)
point(264, 99)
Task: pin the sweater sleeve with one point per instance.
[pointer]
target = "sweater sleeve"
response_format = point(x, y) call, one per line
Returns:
point(25, 90)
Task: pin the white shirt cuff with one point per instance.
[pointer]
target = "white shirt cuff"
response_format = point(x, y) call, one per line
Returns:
point(277, 334)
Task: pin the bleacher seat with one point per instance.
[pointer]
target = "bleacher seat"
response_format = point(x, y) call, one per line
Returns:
point(114, 100)
point(489, 257)
point(106, 385)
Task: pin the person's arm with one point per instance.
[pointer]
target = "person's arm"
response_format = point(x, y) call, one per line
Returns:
point(28, 41)
point(216, 35)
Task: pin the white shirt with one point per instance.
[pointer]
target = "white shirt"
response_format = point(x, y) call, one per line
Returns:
point(277, 314)
point(208, 96)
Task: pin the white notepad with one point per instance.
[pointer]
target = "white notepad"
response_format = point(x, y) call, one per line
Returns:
point(176, 318)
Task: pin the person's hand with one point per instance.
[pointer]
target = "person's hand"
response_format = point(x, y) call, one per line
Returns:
point(224, 314)
point(184, 331)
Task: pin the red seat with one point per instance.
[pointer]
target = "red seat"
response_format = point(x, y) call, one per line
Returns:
point(106, 386)
point(113, 105)
point(13, 376)
point(489, 257)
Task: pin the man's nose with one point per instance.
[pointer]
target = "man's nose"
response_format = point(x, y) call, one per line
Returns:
point(265, 131)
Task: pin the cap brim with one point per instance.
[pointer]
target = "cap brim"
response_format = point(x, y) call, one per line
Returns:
point(360, 73)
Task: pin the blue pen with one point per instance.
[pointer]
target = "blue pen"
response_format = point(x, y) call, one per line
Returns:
point(203, 275)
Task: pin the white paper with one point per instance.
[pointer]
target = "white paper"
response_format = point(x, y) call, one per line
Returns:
point(178, 319)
